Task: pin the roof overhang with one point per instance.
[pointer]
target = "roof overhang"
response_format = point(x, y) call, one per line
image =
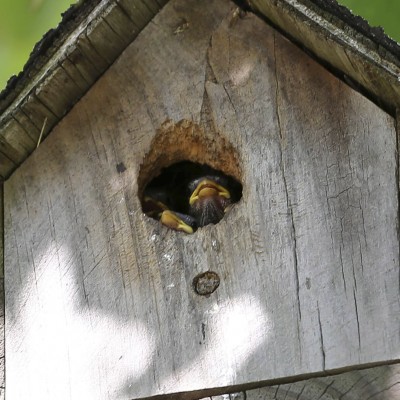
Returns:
point(65, 64)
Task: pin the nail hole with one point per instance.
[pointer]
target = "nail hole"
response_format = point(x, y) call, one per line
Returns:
point(206, 283)
point(120, 167)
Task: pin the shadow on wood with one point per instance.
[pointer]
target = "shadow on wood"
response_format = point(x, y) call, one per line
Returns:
point(100, 296)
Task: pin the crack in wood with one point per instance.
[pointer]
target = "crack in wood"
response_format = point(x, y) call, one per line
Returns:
point(321, 338)
point(288, 201)
point(326, 389)
point(382, 391)
point(301, 392)
point(284, 202)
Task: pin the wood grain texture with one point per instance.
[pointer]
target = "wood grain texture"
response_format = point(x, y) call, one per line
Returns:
point(86, 45)
point(338, 44)
point(2, 325)
point(54, 81)
point(101, 296)
point(380, 383)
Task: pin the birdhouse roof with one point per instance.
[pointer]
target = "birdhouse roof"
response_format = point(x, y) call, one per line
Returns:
point(307, 261)
point(93, 33)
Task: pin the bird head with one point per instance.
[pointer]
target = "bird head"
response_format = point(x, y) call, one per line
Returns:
point(208, 200)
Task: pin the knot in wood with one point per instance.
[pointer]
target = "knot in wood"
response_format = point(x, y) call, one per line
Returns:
point(206, 283)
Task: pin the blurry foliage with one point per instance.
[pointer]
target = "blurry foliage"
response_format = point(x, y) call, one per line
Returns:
point(24, 22)
point(22, 25)
point(383, 13)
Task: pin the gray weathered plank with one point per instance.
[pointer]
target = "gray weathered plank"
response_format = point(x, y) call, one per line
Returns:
point(56, 91)
point(26, 125)
point(101, 296)
point(15, 142)
point(334, 42)
point(2, 330)
point(76, 75)
point(379, 383)
point(122, 25)
point(6, 165)
point(85, 48)
point(140, 11)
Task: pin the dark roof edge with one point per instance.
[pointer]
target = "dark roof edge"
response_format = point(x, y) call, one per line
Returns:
point(45, 48)
point(362, 56)
point(62, 68)
point(376, 34)
point(91, 35)
point(78, 12)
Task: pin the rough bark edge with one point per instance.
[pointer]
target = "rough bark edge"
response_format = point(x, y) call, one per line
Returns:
point(2, 302)
point(360, 55)
point(45, 48)
point(62, 68)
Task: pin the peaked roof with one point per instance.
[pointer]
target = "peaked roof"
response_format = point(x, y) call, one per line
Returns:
point(361, 55)
point(69, 59)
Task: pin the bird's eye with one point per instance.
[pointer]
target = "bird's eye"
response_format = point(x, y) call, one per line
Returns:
point(188, 195)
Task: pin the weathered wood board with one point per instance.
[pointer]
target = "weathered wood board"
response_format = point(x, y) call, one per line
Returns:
point(338, 42)
point(2, 330)
point(61, 69)
point(99, 298)
point(379, 383)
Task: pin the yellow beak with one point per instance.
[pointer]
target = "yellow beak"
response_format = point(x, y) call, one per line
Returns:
point(171, 220)
point(208, 188)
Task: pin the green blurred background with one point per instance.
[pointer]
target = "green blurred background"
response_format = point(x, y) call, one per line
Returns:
point(23, 23)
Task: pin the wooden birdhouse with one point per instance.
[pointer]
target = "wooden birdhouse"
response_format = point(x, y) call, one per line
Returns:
point(279, 114)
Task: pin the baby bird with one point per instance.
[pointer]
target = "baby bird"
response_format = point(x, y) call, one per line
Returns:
point(189, 195)
point(154, 205)
point(209, 199)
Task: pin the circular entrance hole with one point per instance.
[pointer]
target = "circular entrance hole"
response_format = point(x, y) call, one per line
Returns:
point(189, 179)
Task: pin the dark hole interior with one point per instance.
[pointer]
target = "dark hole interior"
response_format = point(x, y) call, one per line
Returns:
point(188, 195)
